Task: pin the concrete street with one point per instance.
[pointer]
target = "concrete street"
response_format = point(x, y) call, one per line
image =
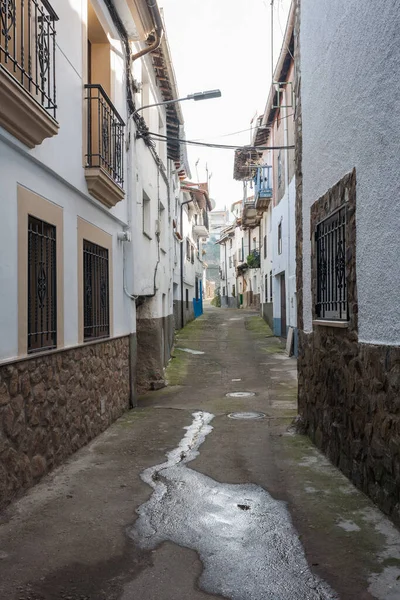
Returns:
point(179, 501)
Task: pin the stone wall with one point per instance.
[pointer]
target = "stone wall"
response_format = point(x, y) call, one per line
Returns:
point(349, 402)
point(53, 404)
point(188, 313)
point(155, 339)
point(267, 313)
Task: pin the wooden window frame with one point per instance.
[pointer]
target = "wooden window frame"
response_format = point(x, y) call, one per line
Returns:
point(30, 203)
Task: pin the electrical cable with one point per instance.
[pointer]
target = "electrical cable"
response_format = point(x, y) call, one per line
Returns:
point(215, 137)
point(165, 138)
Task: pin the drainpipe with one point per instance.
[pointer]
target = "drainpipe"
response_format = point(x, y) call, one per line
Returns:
point(182, 204)
point(287, 289)
point(226, 275)
point(158, 30)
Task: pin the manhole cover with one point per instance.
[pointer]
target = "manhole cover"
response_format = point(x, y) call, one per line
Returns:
point(246, 415)
point(240, 394)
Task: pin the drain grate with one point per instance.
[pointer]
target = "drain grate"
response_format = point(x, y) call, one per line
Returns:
point(239, 394)
point(246, 415)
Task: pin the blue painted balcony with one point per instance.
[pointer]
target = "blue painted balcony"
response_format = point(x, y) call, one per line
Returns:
point(263, 187)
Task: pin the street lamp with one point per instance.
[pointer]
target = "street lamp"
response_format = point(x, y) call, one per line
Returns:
point(196, 96)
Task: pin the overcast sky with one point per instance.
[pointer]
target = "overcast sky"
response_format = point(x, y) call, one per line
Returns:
point(222, 44)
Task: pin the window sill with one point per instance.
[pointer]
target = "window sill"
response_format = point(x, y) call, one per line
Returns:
point(21, 115)
point(328, 323)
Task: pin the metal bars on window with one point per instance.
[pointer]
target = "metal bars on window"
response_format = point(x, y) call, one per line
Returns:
point(27, 47)
point(96, 303)
point(330, 239)
point(42, 286)
point(105, 136)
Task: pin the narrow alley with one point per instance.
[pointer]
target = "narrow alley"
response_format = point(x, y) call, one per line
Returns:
point(203, 491)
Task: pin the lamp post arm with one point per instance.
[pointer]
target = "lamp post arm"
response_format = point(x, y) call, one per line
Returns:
point(161, 103)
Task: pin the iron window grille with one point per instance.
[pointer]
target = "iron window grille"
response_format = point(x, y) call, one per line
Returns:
point(330, 239)
point(96, 302)
point(105, 136)
point(27, 48)
point(280, 238)
point(265, 246)
point(42, 286)
point(187, 250)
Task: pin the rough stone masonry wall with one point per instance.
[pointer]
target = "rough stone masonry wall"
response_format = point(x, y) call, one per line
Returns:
point(155, 339)
point(55, 403)
point(349, 402)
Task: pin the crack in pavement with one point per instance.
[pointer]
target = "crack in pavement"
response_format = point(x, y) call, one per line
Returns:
point(244, 537)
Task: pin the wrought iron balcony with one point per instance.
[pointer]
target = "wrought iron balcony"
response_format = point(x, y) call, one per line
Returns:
point(105, 147)
point(27, 47)
point(263, 187)
point(253, 259)
point(27, 69)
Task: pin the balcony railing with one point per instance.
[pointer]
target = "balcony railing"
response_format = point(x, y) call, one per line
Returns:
point(105, 135)
point(263, 186)
point(27, 47)
point(253, 259)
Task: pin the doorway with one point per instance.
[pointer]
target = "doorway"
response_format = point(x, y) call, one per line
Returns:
point(283, 306)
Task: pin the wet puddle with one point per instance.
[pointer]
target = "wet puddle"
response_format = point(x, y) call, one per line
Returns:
point(244, 537)
point(190, 351)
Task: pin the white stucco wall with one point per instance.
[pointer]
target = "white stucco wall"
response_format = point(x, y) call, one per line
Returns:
point(350, 59)
point(285, 262)
point(19, 169)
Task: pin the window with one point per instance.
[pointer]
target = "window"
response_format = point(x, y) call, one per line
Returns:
point(42, 285)
point(197, 288)
point(280, 238)
point(330, 239)
point(265, 246)
point(146, 215)
point(270, 286)
point(96, 301)
point(279, 169)
point(233, 290)
point(230, 262)
point(230, 243)
point(254, 243)
point(266, 287)
point(192, 254)
point(187, 298)
point(223, 291)
point(187, 249)
point(162, 226)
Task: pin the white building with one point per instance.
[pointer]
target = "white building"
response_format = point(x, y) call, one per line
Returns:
point(268, 214)
point(190, 236)
point(348, 243)
point(219, 219)
point(86, 234)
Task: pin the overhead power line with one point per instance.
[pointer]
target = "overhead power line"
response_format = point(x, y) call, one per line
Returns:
point(245, 130)
point(165, 138)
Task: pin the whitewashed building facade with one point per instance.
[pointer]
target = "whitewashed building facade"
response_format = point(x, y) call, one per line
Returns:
point(86, 236)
